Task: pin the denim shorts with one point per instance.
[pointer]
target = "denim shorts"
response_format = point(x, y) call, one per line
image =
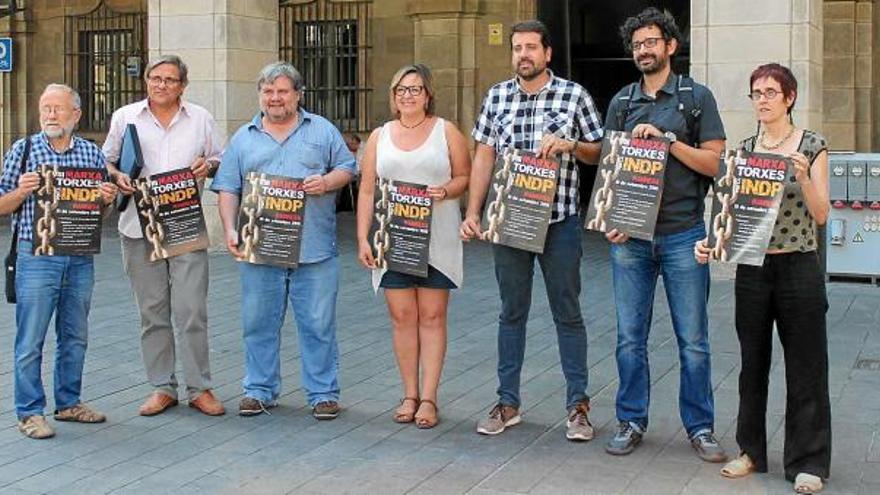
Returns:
point(434, 280)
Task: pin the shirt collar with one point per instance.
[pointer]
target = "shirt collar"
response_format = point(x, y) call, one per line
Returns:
point(144, 106)
point(257, 121)
point(668, 87)
point(551, 84)
point(45, 140)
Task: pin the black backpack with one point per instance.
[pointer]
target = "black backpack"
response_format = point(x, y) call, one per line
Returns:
point(687, 105)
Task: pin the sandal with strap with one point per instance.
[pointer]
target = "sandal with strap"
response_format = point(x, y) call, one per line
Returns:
point(739, 467)
point(408, 417)
point(424, 423)
point(807, 483)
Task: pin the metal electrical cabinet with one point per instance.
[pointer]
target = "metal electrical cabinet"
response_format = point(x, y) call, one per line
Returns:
point(852, 239)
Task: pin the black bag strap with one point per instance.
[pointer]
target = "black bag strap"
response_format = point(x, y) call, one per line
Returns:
point(16, 216)
point(688, 106)
point(623, 112)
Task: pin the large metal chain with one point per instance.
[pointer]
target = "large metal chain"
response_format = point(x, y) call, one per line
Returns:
point(252, 207)
point(46, 225)
point(381, 237)
point(604, 199)
point(722, 223)
point(496, 210)
point(153, 231)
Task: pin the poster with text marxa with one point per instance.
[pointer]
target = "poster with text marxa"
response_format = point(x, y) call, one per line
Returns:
point(520, 200)
point(169, 208)
point(67, 211)
point(629, 185)
point(270, 220)
point(401, 230)
point(745, 202)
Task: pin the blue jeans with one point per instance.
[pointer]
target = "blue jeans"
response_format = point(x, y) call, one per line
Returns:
point(635, 266)
point(45, 285)
point(311, 289)
point(560, 265)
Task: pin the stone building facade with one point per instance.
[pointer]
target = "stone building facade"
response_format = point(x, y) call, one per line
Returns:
point(829, 44)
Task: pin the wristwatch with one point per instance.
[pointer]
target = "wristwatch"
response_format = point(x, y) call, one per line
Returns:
point(670, 136)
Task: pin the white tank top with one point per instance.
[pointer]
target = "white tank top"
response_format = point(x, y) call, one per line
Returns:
point(429, 165)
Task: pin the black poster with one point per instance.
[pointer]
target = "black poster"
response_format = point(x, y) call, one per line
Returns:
point(628, 187)
point(520, 200)
point(169, 208)
point(746, 196)
point(67, 212)
point(401, 231)
point(270, 220)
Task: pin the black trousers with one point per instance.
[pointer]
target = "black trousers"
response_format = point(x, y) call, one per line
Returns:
point(789, 289)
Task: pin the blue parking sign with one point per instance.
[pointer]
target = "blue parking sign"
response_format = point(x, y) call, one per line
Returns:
point(5, 54)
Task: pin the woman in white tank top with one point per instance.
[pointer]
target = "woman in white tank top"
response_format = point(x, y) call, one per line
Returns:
point(420, 148)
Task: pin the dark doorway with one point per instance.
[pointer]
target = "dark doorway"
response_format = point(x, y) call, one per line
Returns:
point(587, 48)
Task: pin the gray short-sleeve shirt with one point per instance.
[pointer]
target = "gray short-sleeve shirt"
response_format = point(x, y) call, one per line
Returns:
point(684, 191)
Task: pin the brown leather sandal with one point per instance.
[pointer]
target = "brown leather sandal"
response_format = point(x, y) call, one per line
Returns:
point(409, 417)
point(424, 423)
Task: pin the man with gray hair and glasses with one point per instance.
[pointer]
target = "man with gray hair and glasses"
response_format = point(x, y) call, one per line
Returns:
point(173, 133)
point(284, 139)
point(46, 285)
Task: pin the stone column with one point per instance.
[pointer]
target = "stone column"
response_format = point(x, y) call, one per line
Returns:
point(445, 40)
point(729, 38)
point(225, 43)
point(849, 76)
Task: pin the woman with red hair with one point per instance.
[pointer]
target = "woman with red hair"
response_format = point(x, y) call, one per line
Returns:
point(788, 291)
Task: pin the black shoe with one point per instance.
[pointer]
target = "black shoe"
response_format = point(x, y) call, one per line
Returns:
point(625, 440)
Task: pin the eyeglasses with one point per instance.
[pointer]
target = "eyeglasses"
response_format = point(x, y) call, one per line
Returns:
point(412, 90)
point(770, 94)
point(647, 43)
point(57, 109)
point(157, 81)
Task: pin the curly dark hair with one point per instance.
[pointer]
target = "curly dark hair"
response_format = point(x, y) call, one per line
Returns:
point(646, 18)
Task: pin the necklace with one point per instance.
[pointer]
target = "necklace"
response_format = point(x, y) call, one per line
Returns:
point(414, 125)
point(779, 143)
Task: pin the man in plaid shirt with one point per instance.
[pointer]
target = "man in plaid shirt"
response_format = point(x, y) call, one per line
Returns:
point(538, 112)
point(49, 284)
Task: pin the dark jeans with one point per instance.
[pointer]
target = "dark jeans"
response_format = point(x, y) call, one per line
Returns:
point(561, 266)
point(789, 289)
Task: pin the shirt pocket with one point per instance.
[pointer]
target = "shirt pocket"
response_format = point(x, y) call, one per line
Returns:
point(311, 156)
point(503, 126)
point(670, 118)
point(558, 124)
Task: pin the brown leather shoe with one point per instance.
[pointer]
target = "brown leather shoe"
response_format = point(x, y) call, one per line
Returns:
point(156, 403)
point(206, 403)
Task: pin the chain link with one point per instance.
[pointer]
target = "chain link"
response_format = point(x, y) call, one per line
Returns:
point(604, 198)
point(252, 207)
point(381, 237)
point(722, 223)
point(46, 225)
point(153, 231)
point(496, 210)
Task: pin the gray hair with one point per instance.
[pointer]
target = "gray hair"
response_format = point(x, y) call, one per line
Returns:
point(275, 70)
point(174, 60)
point(77, 101)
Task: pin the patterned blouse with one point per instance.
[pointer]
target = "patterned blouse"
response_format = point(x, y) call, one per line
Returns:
point(795, 229)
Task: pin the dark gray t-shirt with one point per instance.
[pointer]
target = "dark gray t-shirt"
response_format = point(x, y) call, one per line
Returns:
point(684, 191)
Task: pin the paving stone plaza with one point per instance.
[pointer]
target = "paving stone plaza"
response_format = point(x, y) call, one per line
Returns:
point(363, 451)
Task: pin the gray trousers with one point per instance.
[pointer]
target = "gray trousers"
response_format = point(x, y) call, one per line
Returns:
point(177, 286)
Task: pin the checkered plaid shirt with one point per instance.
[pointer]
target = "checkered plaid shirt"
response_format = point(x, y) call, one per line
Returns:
point(510, 117)
point(81, 153)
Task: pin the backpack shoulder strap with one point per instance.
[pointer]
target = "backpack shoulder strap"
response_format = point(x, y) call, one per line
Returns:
point(688, 106)
point(626, 101)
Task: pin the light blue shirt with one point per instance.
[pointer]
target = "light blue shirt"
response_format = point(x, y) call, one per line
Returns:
point(314, 147)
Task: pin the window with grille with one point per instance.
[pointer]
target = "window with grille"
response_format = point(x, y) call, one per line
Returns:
point(105, 54)
point(327, 42)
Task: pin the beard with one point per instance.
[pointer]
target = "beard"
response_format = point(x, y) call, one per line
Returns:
point(530, 73)
point(657, 64)
point(57, 131)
